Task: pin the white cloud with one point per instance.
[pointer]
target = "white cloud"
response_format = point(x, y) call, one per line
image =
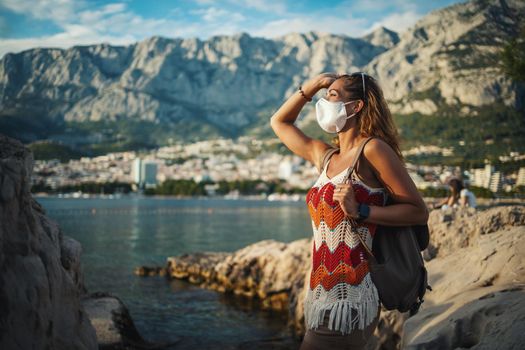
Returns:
point(359, 7)
point(353, 27)
point(91, 16)
point(216, 21)
point(218, 15)
point(276, 7)
point(112, 23)
point(116, 7)
point(379, 6)
point(205, 2)
point(398, 22)
point(401, 14)
point(347, 18)
point(77, 35)
point(3, 27)
point(59, 11)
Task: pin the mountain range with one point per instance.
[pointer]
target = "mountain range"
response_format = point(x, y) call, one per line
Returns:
point(162, 90)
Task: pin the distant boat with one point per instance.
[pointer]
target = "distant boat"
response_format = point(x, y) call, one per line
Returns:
point(232, 195)
point(284, 197)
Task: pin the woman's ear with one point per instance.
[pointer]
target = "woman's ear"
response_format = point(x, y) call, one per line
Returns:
point(359, 106)
point(355, 107)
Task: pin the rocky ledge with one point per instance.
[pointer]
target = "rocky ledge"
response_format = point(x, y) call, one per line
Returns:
point(44, 303)
point(476, 269)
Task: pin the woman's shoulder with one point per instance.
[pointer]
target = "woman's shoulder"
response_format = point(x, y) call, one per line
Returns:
point(377, 142)
point(377, 148)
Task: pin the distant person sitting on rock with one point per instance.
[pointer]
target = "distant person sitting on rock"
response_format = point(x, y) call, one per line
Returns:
point(467, 198)
point(459, 196)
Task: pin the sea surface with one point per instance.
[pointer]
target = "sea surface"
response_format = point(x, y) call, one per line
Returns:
point(120, 234)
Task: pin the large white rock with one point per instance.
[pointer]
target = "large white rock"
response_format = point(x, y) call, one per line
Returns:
point(478, 297)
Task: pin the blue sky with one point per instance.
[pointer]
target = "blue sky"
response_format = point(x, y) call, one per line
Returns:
point(63, 23)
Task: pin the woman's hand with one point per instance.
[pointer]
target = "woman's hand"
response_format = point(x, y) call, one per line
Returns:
point(324, 80)
point(344, 194)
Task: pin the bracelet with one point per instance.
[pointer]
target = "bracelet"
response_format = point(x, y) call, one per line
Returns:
point(303, 94)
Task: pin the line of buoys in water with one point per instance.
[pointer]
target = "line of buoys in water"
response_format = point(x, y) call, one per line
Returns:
point(157, 211)
point(126, 211)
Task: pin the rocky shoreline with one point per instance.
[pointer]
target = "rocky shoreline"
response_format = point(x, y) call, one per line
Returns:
point(475, 262)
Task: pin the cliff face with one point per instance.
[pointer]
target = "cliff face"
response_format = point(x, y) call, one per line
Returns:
point(41, 279)
point(44, 303)
point(223, 81)
point(449, 58)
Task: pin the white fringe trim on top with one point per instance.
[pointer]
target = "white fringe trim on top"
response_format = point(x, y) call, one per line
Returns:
point(355, 311)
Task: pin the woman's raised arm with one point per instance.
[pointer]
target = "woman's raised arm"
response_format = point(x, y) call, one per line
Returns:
point(282, 122)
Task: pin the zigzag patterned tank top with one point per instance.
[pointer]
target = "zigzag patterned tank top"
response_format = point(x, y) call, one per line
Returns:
point(340, 281)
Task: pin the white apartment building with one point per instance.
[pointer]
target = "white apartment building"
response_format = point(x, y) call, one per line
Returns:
point(487, 178)
point(144, 172)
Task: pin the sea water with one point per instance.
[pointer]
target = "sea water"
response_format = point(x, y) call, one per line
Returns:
point(120, 234)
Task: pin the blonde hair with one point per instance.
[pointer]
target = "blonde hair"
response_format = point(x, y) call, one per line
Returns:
point(374, 119)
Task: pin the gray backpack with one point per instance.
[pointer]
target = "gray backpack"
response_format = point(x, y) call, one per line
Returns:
point(396, 265)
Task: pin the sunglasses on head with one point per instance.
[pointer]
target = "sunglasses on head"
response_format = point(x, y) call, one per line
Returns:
point(362, 74)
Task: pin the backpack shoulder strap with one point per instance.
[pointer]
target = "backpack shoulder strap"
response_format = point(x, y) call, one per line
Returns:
point(326, 155)
point(356, 158)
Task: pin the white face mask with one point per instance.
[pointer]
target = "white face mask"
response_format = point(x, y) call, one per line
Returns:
point(331, 116)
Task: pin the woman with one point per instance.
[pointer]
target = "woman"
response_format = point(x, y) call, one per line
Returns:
point(341, 305)
point(459, 195)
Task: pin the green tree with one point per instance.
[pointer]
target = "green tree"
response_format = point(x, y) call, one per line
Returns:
point(481, 192)
point(513, 57)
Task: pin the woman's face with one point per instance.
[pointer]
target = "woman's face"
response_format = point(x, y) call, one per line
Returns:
point(336, 93)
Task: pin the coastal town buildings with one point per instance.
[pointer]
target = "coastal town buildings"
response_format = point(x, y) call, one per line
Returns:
point(229, 160)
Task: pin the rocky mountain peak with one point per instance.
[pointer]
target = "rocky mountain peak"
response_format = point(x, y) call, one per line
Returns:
point(382, 37)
